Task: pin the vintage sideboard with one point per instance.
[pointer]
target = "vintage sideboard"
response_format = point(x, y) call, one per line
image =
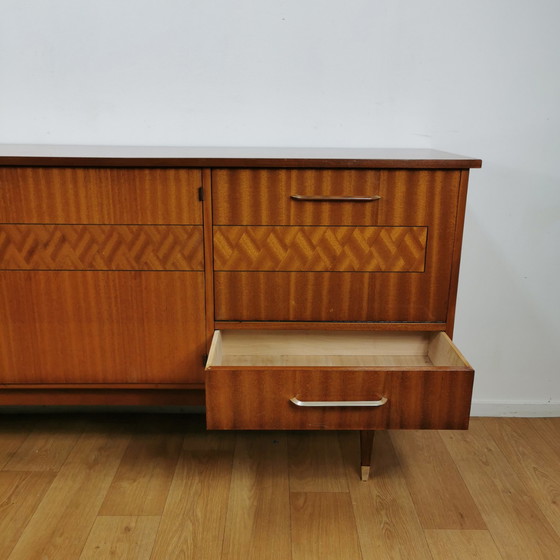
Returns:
point(281, 288)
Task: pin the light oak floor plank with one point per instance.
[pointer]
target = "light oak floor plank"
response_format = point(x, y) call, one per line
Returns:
point(121, 538)
point(549, 430)
point(517, 525)
point(142, 482)
point(62, 521)
point(192, 525)
point(439, 493)
point(536, 464)
point(14, 430)
point(316, 462)
point(462, 545)
point(385, 515)
point(258, 515)
point(48, 445)
point(323, 527)
point(20, 494)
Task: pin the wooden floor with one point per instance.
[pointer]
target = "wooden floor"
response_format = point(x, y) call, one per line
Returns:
point(159, 487)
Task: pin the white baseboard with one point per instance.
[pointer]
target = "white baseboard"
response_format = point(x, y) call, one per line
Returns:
point(512, 408)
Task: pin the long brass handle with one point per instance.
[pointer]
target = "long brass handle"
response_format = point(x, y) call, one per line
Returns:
point(380, 402)
point(326, 198)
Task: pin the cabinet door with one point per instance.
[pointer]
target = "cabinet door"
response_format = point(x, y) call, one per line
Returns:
point(125, 327)
point(101, 276)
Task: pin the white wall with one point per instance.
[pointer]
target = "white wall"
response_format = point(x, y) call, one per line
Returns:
point(480, 78)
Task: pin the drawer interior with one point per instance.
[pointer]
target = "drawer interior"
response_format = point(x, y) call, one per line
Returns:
point(285, 348)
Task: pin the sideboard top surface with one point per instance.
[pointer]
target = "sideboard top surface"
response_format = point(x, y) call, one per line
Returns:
point(161, 156)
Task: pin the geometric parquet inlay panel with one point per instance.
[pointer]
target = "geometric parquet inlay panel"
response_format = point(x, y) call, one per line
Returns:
point(316, 248)
point(100, 247)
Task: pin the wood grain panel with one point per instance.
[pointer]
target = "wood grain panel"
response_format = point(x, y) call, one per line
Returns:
point(262, 197)
point(100, 247)
point(102, 327)
point(100, 196)
point(358, 249)
point(324, 296)
point(259, 398)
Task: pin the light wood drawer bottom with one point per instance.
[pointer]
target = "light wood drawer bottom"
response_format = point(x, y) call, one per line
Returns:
point(315, 380)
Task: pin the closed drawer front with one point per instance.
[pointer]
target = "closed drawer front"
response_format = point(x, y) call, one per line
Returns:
point(99, 196)
point(334, 197)
point(296, 380)
point(320, 248)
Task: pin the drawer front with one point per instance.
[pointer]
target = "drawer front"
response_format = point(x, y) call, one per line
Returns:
point(288, 197)
point(100, 196)
point(332, 296)
point(320, 248)
point(260, 398)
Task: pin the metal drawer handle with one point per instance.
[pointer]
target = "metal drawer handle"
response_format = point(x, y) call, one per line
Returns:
point(380, 402)
point(325, 198)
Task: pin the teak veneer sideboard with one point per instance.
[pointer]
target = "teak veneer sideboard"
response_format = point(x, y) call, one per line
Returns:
point(282, 288)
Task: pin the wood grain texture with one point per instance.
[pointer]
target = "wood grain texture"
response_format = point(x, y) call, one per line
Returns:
point(20, 494)
point(61, 523)
point(535, 463)
point(121, 538)
point(47, 446)
point(316, 463)
point(259, 398)
point(192, 525)
point(12, 436)
point(255, 530)
point(518, 526)
point(192, 156)
point(94, 396)
point(440, 496)
point(101, 327)
point(96, 247)
point(409, 199)
point(262, 197)
point(322, 526)
point(357, 249)
point(142, 481)
point(385, 515)
point(462, 545)
point(457, 248)
point(99, 196)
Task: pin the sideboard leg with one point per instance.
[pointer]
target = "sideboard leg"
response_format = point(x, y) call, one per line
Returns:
point(366, 446)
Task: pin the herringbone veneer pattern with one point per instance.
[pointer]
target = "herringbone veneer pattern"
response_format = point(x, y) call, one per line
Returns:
point(100, 247)
point(358, 249)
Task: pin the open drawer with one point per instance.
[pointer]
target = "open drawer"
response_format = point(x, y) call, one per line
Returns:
point(355, 380)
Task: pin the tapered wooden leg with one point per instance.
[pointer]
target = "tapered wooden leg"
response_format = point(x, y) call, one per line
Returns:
point(366, 446)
